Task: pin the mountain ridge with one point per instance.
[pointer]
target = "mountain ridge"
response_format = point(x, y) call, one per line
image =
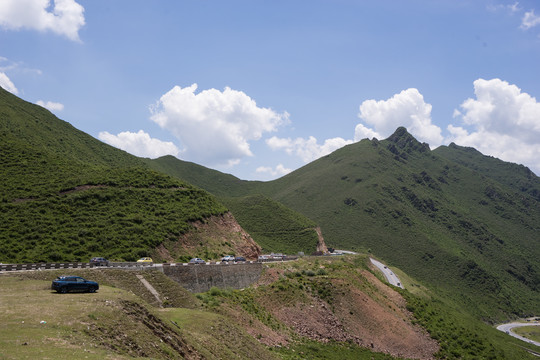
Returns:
point(66, 196)
point(445, 220)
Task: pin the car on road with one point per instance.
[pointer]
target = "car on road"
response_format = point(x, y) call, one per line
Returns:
point(239, 259)
point(145, 260)
point(64, 284)
point(99, 261)
point(227, 258)
point(197, 261)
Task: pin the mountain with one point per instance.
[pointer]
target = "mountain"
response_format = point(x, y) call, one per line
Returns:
point(275, 227)
point(463, 223)
point(220, 183)
point(65, 196)
point(272, 225)
point(518, 177)
point(458, 227)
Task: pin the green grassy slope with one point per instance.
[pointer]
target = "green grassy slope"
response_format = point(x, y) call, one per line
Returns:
point(518, 177)
point(220, 184)
point(470, 236)
point(120, 321)
point(65, 196)
point(275, 227)
point(464, 223)
point(123, 320)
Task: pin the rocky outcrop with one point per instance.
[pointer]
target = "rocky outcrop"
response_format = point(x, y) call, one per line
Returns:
point(321, 246)
point(242, 243)
point(210, 239)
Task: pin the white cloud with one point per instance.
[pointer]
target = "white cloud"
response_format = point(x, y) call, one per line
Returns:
point(215, 127)
point(513, 8)
point(278, 171)
point(307, 149)
point(362, 132)
point(505, 123)
point(530, 20)
point(51, 106)
point(139, 144)
point(8, 65)
point(66, 17)
point(6, 83)
point(406, 109)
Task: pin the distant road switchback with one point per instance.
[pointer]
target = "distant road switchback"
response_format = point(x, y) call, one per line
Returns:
point(507, 328)
point(389, 274)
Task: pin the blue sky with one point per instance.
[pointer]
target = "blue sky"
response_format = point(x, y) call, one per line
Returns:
point(260, 88)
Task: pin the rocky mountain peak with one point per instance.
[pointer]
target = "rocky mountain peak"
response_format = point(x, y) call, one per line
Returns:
point(401, 143)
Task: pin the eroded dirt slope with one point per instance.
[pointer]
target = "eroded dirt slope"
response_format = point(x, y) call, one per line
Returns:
point(211, 239)
point(334, 301)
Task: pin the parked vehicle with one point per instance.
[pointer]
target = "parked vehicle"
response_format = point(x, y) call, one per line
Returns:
point(99, 261)
point(63, 284)
point(197, 261)
point(263, 257)
point(227, 258)
point(145, 260)
point(239, 259)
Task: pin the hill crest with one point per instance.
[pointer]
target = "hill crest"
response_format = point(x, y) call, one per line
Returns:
point(66, 196)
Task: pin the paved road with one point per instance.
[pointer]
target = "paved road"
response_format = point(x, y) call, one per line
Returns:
point(507, 328)
point(389, 274)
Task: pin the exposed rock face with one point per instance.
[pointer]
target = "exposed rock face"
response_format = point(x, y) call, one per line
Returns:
point(210, 239)
point(402, 144)
point(243, 243)
point(321, 246)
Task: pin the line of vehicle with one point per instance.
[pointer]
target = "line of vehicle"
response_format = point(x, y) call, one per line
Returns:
point(55, 266)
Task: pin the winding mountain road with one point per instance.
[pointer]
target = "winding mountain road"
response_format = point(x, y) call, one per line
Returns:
point(388, 274)
point(507, 328)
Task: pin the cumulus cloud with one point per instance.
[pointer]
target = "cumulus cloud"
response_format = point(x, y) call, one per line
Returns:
point(307, 149)
point(278, 171)
point(215, 127)
point(530, 20)
point(6, 83)
point(502, 121)
point(51, 106)
point(363, 132)
point(66, 17)
point(404, 109)
point(139, 144)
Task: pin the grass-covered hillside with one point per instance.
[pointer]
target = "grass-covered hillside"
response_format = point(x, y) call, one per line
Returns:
point(221, 184)
point(65, 196)
point(472, 236)
point(275, 227)
point(314, 308)
point(463, 223)
point(518, 177)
